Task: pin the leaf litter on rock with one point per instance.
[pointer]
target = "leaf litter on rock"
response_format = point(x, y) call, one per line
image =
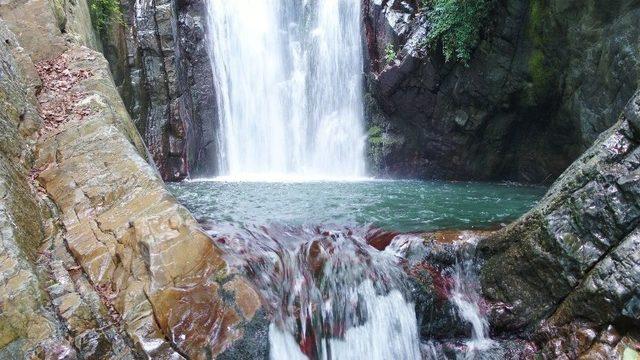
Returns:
point(57, 98)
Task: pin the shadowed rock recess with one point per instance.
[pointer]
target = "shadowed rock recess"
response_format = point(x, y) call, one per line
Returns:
point(98, 260)
point(546, 78)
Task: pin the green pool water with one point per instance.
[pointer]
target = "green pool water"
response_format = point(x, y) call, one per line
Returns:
point(393, 205)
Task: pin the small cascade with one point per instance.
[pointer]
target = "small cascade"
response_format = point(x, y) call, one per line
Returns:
point(465, 296)
point(456, 325)
point(332, 296)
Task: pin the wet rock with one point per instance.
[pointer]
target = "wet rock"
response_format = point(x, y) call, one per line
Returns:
point(163, 72)
point(93, 345)
point(101, 254)
point(253, 345)
point(128, 234)
point(432, 269)
point(544, 82)
point(574, 256)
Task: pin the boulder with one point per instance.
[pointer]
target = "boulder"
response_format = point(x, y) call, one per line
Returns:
point(125, 230)
point(574, 256)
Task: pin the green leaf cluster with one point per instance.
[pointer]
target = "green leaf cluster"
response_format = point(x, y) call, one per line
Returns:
point(105, 13)
point(390, 54)
point(457, 25)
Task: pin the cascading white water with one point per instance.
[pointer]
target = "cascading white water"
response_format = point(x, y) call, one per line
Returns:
point(288, 78)
point(390, 332)
point(330, 294)
point(465, 295)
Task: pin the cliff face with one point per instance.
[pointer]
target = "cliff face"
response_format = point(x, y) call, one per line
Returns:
point(546, 79)
point(22, 228)
point(159, 60)
point(97, 260)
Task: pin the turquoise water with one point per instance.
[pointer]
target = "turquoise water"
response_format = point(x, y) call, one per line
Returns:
point(392, 205)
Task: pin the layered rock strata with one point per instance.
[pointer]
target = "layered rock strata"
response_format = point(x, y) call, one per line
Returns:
point(99, 261)
point(161, 67)
point(569, 270)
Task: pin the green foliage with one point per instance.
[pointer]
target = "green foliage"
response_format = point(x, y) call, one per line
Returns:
point(390, 54)
point(375, 135)
point(457, 25)
point(105, 13)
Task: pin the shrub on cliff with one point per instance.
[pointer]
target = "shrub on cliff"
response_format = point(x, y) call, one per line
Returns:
point(104, 13)
point(457, 25)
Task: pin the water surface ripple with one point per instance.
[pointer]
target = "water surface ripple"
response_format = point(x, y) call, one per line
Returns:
point(405, 206)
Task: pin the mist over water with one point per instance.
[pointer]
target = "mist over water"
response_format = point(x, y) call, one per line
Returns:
point(288, 80)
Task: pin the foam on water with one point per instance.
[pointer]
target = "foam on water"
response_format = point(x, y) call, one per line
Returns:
point(465, 295)
point(390, 332)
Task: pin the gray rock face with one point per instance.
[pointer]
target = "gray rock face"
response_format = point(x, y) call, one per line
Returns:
point(545, 81)
point(574, 258)
point(162, 69)
point(198, 81)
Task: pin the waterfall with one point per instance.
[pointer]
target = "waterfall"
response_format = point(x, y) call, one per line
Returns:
point(288, 78)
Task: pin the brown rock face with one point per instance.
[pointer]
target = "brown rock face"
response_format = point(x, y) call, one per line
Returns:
point(124, 229)
point(104, 261)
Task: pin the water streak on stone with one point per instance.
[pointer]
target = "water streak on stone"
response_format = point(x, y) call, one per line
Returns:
point(465, 295)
